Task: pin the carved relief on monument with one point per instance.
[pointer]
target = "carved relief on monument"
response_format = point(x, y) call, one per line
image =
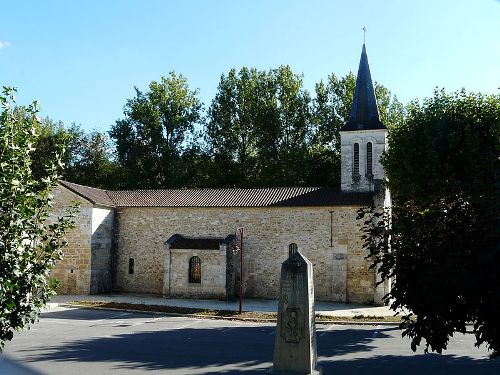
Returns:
point(292, 325)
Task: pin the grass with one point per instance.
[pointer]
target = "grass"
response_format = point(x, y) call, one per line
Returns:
point(225, 314)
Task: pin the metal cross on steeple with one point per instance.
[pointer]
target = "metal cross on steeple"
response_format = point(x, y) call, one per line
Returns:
point(364, 34)
point(364, 111)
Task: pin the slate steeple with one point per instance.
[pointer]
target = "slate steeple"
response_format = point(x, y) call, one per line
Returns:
point(364, 112)
point(363, 138)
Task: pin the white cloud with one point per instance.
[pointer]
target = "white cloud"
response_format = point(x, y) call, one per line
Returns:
point(4, 44)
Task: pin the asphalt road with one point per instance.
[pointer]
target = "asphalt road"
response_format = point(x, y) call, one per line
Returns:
point(91, 342)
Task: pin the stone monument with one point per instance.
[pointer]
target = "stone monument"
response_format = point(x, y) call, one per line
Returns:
point(295, 343)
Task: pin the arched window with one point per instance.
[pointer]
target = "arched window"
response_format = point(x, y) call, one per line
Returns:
point(369, 159)
point(195, 270)
point(292, 249)
point(355, 169)
point(131, 266)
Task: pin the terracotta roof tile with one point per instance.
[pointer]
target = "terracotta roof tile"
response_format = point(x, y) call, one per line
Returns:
point(327, 197)
point(94, 195)
point(260, 197)
point(229, 197)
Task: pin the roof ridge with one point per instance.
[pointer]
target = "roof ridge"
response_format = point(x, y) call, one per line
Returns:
point(80, 185)
point(215, 188)
point(88, 192)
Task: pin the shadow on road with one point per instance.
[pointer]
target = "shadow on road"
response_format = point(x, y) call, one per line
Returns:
point(250, 349)
point(412, 365)
point(239, 347)
point(90, 314)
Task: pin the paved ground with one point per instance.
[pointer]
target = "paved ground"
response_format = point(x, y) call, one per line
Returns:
point(333, 309)
point(80, 341)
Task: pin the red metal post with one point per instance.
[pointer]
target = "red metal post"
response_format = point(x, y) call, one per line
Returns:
point(241, 269)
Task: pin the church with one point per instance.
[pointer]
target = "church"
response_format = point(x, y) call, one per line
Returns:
point(204, 243)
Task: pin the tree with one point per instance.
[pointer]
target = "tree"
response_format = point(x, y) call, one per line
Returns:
point(289, 134)
point(91, 160)
point(443, 250)
point(258, 128)
point(231, 128)
point(50, 134)
point(88, 158)
point(150, 139)
point(29, 244)
point(264, 129)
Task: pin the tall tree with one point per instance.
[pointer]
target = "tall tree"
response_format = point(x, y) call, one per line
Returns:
point(91, 160)
point(443, 250)
point(258, 127)
point(289, 132)
point(230, 131)
point(330, 111)
point(88, 158)
point(49, 134)
point(29, 244)
point(150, 139)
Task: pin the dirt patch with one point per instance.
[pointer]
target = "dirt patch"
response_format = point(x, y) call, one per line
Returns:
point(225, 314)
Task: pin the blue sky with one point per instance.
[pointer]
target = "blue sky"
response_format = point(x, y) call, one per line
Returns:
point(81, 59)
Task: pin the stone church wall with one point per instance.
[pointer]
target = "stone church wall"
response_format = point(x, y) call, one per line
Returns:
point(213, 274)
point(74, 270)
point(340, 271)
point(101, 244)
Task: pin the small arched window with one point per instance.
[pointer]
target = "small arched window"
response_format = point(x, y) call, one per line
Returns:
point(292, 249)
point(195, 270)
point(131, 266)
point(369, 159)
point(355, 169)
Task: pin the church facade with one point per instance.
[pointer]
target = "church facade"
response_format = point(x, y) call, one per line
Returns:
point(188, 243)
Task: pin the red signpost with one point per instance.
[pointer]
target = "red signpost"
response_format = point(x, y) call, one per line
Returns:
point(240, 231)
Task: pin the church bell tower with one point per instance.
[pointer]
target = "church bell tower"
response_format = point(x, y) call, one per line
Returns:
point(363, 138)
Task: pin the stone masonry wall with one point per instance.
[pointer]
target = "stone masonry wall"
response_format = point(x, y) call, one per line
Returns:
point(74, 270)
point(378, 139)
point(340, 272)
point(213, 274)
point(101, 244)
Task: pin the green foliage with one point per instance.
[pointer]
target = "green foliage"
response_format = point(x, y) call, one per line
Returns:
point(265, 130)
point(262, 129)
point(449, 144)
point(50, 135)
point(443, 250)
point(259, 127)
point(90, 160)
point(150, 139)
point(232, 126)
point(29, 244)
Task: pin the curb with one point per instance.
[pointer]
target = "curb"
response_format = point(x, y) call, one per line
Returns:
point(227, 318)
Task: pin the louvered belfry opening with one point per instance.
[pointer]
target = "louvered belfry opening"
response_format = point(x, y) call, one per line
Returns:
point(356, 160)
point(195, 270)
point(369, 159)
